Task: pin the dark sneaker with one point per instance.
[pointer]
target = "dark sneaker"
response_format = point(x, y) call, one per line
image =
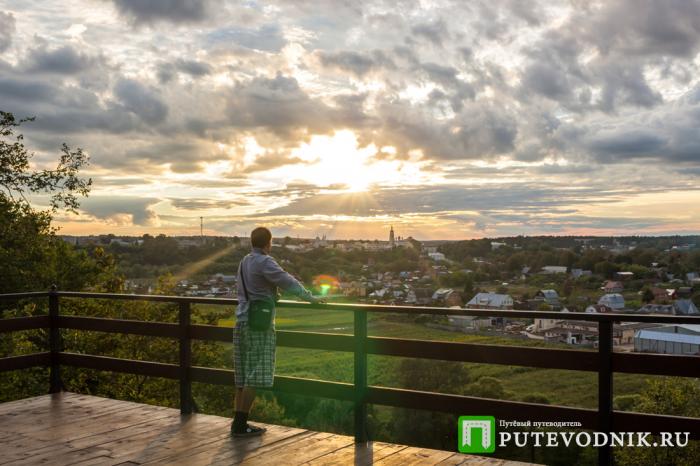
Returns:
point(249, 431)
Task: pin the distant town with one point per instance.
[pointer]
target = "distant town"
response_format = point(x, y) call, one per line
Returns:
point(637, 275)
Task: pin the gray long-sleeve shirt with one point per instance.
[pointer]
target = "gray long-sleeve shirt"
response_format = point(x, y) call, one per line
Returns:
point(262, 277)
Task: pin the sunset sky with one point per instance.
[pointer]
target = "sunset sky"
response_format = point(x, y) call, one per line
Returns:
point(447, 120)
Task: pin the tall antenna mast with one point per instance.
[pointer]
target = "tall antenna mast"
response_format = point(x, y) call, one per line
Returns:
point(201, 228)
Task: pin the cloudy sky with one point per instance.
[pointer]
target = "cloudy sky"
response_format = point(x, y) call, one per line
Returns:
point(444, 119)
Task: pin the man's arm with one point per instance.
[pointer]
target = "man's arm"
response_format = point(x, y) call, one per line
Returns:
point(275, 274)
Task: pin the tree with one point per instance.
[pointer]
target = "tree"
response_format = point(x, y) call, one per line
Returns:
point(676, 396)
point(18, 180)
point(31, 257)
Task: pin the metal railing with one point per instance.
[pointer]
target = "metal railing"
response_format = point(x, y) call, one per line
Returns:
point(603, 361)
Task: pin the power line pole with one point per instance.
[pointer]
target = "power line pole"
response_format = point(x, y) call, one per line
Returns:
point(201, 228)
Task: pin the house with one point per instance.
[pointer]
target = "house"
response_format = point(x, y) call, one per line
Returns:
point(436, 256)
point(624, 275)
point(579, 273)
point(549, 297)
point(680, 307)
point(685, 307)
point(579, 332)
point(663, 295)
point(614, 301)
point(469, 322)
point(669, 339)
point(598, 308)
point(491, 301)
point(613, 287)
point(573, 332)
point(656, 309)
point(224, 278)
point(495, 245)
point(447, 297)
point(353, 288)
point(552, 269)
point(423, 296)
point(545, 324)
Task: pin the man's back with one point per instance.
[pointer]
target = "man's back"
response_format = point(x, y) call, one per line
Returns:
point(262, 276)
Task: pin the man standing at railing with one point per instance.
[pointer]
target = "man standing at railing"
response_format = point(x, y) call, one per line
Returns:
point(259, 276)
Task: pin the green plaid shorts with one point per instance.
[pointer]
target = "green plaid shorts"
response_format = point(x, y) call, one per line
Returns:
point(253, 356)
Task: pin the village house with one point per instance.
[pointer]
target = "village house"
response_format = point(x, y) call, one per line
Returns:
point(663, 295)
point(598, 308)
point(553, 269)
point(491, 301)
point(549, 297)
point(447, 297)
point(469, 322)
point(581, 332)
point(614, 301)
point(579, 273)
point(611, 286)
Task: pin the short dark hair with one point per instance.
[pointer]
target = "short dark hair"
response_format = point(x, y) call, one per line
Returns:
point(260, 237)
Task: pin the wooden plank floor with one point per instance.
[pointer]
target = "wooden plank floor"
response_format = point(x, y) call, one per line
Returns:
point(69, 428)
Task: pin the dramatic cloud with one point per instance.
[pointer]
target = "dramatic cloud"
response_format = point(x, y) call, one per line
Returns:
point(176, 11)
point(7, 29)
point(62, 60)
point(448, 119)
point(140, 100)
point(122, 209)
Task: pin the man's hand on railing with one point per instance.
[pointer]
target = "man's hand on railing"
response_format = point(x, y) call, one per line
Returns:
point(318, 300)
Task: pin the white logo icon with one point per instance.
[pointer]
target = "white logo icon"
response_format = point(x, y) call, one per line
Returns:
point(468, 425)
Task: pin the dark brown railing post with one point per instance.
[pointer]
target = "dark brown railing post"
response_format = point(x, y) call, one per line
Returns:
point(185, 359)
point(54, 342)
point(360, 376)
point(605, 386)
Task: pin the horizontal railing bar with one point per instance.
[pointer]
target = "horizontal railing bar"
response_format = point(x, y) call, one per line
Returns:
point(211, 333)
point(129, 366)
point(488, 354)
point(460, 404)
point(298, 385)
point(625, 421)
point(15, 324)
point(288, 338)
point(27, 294)
point(25, 361)
point(136, 327)
point(656, 364)
point(148, 297)
point(515, 314)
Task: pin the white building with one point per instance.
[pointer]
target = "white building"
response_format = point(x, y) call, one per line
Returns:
point(552, 269)
point(669, 339)
point(436, 256)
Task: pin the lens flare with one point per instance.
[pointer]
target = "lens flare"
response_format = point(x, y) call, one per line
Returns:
point(326, 284)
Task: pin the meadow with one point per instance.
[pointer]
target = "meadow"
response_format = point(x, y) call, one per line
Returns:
point(555, 386)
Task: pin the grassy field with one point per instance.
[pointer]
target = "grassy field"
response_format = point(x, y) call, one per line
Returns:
point(565, 387)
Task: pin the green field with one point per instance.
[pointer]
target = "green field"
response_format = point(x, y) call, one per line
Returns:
point(564, 387)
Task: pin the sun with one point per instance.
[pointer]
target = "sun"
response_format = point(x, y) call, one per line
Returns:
point(337, 160)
